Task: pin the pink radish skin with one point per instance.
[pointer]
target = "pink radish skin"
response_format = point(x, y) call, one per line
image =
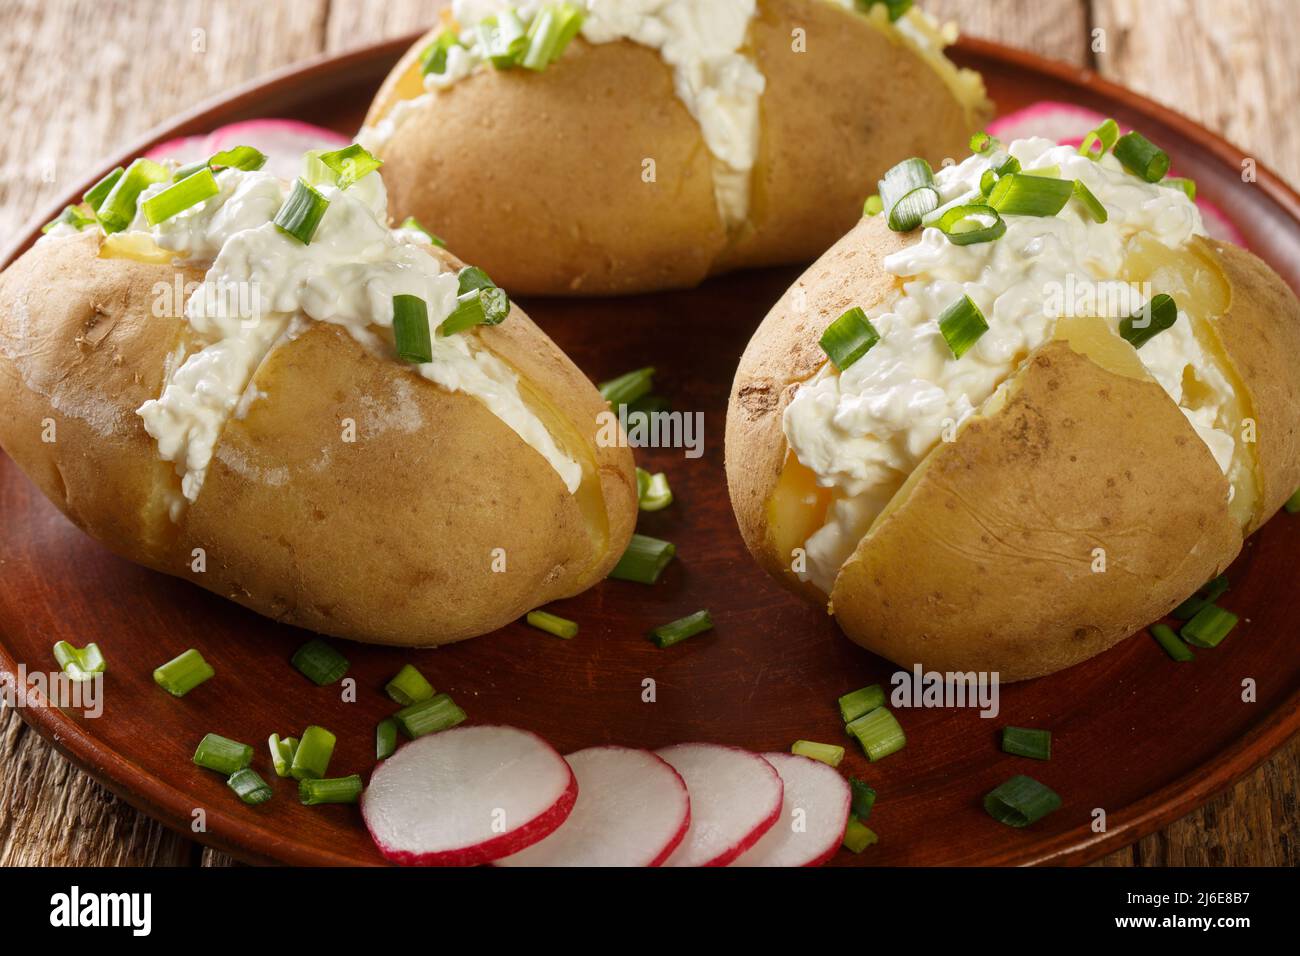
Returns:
point(283, 140)
point(735, 799)
point(824, 798)
point(632, 810)
point(435, 801)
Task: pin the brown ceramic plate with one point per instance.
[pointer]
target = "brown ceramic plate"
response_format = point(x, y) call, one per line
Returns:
point(1136, 735)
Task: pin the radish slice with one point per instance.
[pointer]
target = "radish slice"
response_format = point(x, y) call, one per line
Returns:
point(814, 813)
point(632, 810)
point(283, 140)
point(735, 799)
point(467, 796)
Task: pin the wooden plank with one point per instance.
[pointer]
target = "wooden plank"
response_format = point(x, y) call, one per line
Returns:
point(357, 22)
point(1052, 28)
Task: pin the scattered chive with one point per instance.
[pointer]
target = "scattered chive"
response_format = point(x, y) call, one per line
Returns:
point(863, 796)
point(1292, 505)
point(627, 388)
point(334, 790)
point(848, 338)
point(653, 493)
point(385, 738)
point(907, 191)
point(879, 733)
point(94, 197)
point(429, 716)
point(1141, 157)
point(666, 635)
point(830, 754)
point(180, 196)
point(319, 662)
point(1149, 321)
point(409, 687)
point(80, 663)
point(1027, 742)
point(118, 208)
point(350, 164)
point(489, 306)
point(860, 702)
point(872, 206)
point(858, 836)
point(246, 158)
point(1211, 592)
point(644, 560)
point(1188, 186)
point(553, 624)
point(312, 758)
point(301, 212)
point(75, 216)
point(1209, 627)
point(182, 674)
point(1172, 643)
point(964, 225)
point(1100, 141)
point(1021, 801)
point(250, 786)
point(222, 754)
point(411, 329)
point(962, 324)
point(1025, 194)
point(410, 222)
point(282, 752)
point(1090, 202)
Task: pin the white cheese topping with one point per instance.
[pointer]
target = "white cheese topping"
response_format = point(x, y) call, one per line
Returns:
point(864, 431)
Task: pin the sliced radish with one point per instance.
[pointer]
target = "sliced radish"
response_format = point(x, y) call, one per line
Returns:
point(735, 799)
point(283, 140)
point(632, 810)
point(814, 812)
point(467, 796)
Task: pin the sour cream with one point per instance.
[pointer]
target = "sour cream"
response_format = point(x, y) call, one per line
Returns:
point(863, 431)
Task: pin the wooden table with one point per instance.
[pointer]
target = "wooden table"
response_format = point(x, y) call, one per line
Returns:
point(82, 78)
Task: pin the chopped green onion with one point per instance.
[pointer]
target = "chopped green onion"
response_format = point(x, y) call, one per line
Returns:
point(666, 635)
point(1149, 321)
point(830, 754)
point(879, 733)
point(409, 687)
point(434, 57)
point(1141, 157)
point(981, 142)
point(302, 212)
point(80, 663)
point(1000, 164)
point(962, 324)
point(94, 197)
point(222, 754)
point(858, 836)
point(627, 388)
point(118, 208)
point(74, 216)
point(350, 164)
point(653, 493)
point(180, 196)
point(1021, 801)
point(963, 225)
point(1090, 202)
point(334, 790)
point(385, 738)
point(429, 716)
point(411, 333)
point(312, 758)
point(908, 193)
point(872, 206)
point(1172, 643)
point(1027, 742)
point(503, 39)
point(182, 674)
point(472, 278)
point(246, 158)
point(550, 33)
point(282, 752)
point(250, 786)
point(185, 172)
point(864, 798)
point(1210, 626)
point(1292, 504)
point(1188, 186)
point(848, 338)
point(1211, 592)
point(859, 702)
point(319, 662)
point(553, 624)
point(410, 222)
point(644, 560)
point(1025, 194)
point(488, 306)
point(1104, 136)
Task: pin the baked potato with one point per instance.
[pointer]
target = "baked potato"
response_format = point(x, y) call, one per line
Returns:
point(286, 455)
point(669, 141)
point(1128, 413)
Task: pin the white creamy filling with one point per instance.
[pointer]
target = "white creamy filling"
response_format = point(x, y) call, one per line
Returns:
point(864, 431)
point(261, 280)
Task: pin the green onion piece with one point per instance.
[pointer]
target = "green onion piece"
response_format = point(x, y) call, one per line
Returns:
point(1027, 742)
point(503, 39)
point(312, 758)
point(644, 560)
point(1211, 592)
point(666, 635)
point(429, 716)
point(250, 786)
point(1021, 801)
point(848, 338)
point(1141, 157)
point(653, 493)
point(471, 278)
point(434, 57)
point(319, 662)
point(409, 687)
point(864, 798)
point(282, 752)
point(180, 196)
point(1188, 186)
point(385, 738)
point(411, 329)
point(859, 702)
point(627, 388)
point(981, 142)
point(94, 197)
point(964, 225)
point(488, 306)
point(75, 216)
point(1023, 194)
point(182, 674)
point(1149, 321)
point(302, 212)
point(1172, 643)
point(1100, 141)
point(80, 663)
point(1000, 164)
point(858, 836)
point(553, 624)
point(1090, 202)
point(1292, 504)
point(350, 164)
point(550, 33)
point(334, 790)
point(118, 208)
point(906, 214)
point(872, 206)
point(238, 157)
point(962, 324)
point(185, 172)
point(410, 222)
point(830, 754)
point(879, 733)
point(907, 192)
point(222, 754)
point(1210, 626)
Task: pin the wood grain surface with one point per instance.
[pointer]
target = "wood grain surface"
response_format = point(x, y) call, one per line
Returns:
point(84, 77)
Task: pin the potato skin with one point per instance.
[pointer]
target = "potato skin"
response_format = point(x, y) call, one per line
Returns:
point(388, 538)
